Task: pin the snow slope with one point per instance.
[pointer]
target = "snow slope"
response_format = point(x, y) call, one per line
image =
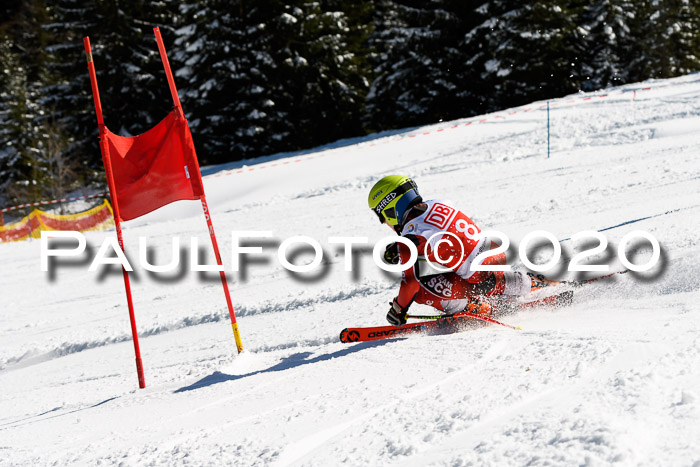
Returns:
point(613, 379)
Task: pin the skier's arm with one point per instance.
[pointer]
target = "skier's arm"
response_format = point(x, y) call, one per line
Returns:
point(407, 292)
point(409, 283)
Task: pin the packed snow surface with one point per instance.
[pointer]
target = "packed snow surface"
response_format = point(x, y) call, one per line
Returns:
point(612, 379)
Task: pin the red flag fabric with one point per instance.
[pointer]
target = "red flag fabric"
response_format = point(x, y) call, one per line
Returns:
point(155, 168)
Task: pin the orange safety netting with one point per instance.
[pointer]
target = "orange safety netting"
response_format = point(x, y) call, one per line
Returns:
point(97, 218)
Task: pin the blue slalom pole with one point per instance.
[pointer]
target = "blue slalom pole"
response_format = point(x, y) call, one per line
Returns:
point(547, 129)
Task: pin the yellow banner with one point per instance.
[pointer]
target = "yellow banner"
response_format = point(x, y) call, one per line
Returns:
point(97, 218)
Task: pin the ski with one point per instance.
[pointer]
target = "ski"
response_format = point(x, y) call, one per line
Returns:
point(446, 323)
point(558, 300)
point(375, 333)
point(539, 281)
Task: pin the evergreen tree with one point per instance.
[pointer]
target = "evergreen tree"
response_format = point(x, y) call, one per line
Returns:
point(222, 71)
point(322, 69)
point(270, 76)
point(667, 37)
point(258, 77)
point(133, 89)
point(24, 169)
point(607, 47)
point(529, 51)
point(22, 22)
point(11, 84)
point(419, 63)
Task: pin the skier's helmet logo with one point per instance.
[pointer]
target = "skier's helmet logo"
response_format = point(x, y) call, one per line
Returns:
point(391, 197)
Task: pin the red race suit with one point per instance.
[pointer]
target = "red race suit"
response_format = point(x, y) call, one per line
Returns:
point(448, 244)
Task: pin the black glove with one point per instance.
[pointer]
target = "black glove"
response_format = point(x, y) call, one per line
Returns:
point(391, 254)
point(397, 314)
point(478, 307)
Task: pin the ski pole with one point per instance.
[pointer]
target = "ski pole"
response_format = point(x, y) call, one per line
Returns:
point(593, 279)
point(575, 283)
point(426, 316)
point(465, 315)
point(492, 321)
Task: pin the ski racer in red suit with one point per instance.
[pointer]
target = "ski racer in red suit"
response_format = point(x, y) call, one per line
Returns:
point(447, 244)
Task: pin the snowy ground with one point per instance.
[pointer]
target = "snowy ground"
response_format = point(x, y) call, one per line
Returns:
point(613, 379)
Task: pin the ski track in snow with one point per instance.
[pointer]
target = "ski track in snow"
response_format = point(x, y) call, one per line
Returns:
point(611, 380)
point(33, 357)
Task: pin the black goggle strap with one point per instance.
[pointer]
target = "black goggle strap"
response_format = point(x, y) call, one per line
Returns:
point(401, 189)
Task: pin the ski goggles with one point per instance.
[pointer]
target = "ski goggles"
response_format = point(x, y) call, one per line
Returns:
point(391, 212)
point(393, 200)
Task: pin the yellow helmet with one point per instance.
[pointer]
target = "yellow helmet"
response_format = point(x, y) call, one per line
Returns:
point(391, 197)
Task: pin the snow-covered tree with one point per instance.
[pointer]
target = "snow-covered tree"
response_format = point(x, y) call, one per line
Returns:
point(264, 76)
point(268, 76)
point(222, 69)
point(23, 168)
point(607, 46)
point(322, 69)
point(419, 63)
point(526, 51)
point(30, 168)
point(133, 89)
point(13, 102)
point(667, 33)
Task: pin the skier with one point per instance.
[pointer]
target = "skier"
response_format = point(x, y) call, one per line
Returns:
point(447, 244)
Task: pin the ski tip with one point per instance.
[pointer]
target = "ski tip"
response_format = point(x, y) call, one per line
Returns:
point(518, 328)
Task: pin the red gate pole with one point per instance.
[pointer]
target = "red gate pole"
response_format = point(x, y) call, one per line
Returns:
point(203, 199)
point(104, 147)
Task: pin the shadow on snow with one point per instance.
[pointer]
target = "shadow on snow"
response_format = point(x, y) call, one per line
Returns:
point(293, 361)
